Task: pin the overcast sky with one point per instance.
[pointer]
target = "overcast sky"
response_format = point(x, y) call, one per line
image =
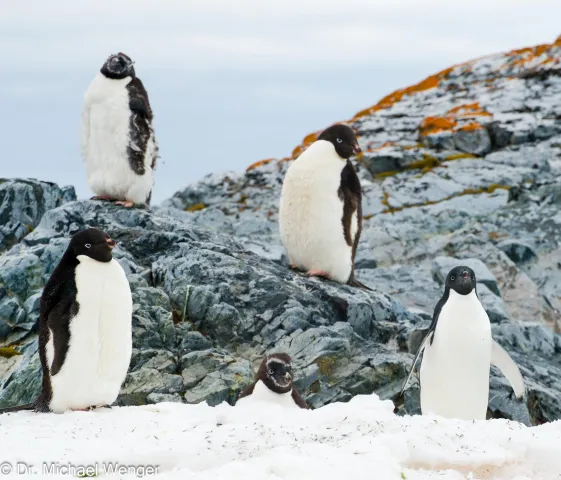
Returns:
point(231, 81)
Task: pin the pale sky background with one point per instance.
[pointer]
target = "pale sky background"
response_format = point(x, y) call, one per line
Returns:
point(230, 81)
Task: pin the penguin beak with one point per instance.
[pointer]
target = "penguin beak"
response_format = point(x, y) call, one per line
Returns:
point(465, 275)
point(356, 149)
point(111, 243)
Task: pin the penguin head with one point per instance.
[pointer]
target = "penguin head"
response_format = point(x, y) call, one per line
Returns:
point(118, 66)
point(343, 139)
point(92, 243)
point(276, 372)
point(461, 279)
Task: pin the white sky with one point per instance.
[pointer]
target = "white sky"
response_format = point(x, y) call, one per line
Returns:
point(231, 81)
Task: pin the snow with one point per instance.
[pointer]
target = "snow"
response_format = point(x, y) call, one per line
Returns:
point(361, 439)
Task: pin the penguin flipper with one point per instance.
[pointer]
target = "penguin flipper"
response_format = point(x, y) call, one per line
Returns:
point(298, 400)
point(59, 326)
point(246, 392)
point(138, 99)
point(426, 341)
point(504, 362)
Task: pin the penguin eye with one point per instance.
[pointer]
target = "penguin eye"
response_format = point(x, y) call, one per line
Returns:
point(88, 245)
point(452, 278)
point(339, 140)
point(271, 371)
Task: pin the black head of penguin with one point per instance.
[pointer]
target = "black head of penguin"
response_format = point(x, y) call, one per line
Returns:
point(275, 372)
point(461, 279)
point(343, 139)
point(118, 66)
point(93, 243)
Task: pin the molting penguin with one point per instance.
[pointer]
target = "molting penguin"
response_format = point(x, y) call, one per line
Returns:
point(458, 351)
point(320, 212)
point(85, 328)
point(273, 383)
point(118, 143)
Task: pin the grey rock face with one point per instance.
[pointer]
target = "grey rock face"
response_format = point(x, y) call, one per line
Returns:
point(463, 168)
point(23, 202)
point(517, 251)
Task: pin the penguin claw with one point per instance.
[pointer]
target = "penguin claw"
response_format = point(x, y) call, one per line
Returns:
point(124, 203)
point(314, 272)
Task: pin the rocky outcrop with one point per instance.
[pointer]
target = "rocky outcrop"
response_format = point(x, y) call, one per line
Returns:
point(462, 168)
point(22, 205)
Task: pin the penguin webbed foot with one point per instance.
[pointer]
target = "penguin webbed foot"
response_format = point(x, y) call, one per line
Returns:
point(314, 272)
point(125, 203)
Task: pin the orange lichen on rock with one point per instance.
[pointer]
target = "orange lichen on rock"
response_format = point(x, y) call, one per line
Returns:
point(470, 127)
point(260, 163)
point(469, 110)
point(455, 117)
point(389, 100)
point(526, 55)
point(432, 125)
point(454, 120)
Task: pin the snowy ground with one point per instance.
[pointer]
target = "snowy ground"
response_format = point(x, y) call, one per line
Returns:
point(358, 440)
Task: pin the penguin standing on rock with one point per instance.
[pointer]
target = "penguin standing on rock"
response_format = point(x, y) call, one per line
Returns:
point(273, 383)
point(118, 143)
point(320, 213)
point(458, 353)
point(85, 328)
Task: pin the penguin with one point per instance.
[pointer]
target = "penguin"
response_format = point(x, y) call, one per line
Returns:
point(458, 352)
point(320, 211)
point(119, 147)
point(273, 383)
point(85, 328)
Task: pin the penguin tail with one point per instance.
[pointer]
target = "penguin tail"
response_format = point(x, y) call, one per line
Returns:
point(18, 408)
point(353, 282)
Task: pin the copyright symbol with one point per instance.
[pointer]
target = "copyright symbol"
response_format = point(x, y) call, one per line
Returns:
point(5, 468)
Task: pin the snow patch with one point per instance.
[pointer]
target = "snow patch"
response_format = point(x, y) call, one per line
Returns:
point(361, 439)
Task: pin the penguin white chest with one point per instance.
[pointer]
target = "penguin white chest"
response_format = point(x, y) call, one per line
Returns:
point(311, 213)
point(100, 344)
point(105, 137)
point(261, 394)
point(455, 368)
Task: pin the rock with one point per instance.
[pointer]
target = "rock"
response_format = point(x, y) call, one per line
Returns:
point(442, 265)
point(146, 381)
point(475, 141)
point(22, 384)
point(22, 205)
point(518, 252)
point(493, 305)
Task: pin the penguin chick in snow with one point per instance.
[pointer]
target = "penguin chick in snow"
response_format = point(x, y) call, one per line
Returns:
point(85, 328)
point(118, 143)
point(458, 353)
point(273, 383)
point(320, 212)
